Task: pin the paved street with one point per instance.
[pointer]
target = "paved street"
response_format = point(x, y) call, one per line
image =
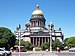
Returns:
point(43, 54)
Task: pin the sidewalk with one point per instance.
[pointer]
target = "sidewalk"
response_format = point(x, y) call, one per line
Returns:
point(43, 52)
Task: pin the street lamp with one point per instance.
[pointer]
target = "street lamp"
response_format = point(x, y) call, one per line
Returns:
point(19, 37)
point(50, 31)
point(19, 41)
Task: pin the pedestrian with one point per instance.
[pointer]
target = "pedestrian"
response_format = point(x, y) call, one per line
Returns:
point(58, 49)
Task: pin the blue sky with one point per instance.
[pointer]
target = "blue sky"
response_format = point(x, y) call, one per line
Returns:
point(60, 12)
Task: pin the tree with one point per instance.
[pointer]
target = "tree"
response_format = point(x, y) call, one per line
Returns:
point(65, 42)
point(57, 43)
point(45, 46)
point(27, 45)
point(70, 42)
point(7, 38)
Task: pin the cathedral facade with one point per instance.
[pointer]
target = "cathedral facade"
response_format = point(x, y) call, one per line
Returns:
point(36, 32)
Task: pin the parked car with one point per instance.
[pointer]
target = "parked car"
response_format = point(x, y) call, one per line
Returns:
point(4, 52)
point(72, 50)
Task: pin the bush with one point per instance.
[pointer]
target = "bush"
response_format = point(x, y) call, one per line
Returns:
point(45, 46)
point(56, 44)
point(27, 45)
point(38, 49)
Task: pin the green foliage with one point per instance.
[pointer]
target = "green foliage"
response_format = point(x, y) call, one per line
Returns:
point(27, 45)
point(38, 49)
point(70, 42)
point(65, 42)
point(45, 46)
point(7, 38)
point(56, 44)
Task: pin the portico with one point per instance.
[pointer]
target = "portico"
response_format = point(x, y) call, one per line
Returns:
point(39, 40)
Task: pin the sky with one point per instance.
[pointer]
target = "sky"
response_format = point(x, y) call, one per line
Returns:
point(60, 12)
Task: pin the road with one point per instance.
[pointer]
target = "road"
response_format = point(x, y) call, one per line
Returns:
point(43, 54)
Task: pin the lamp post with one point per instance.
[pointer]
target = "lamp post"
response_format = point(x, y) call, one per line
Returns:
point(19, 40)
point(19, 33)
point(50, 31)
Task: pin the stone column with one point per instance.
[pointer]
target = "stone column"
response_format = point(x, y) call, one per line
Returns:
point(45, 39)
point(36, 40)
point(39, 23)
point(48, 39)
point(42, 40)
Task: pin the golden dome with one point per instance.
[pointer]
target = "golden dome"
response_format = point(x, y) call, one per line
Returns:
point(37, 11)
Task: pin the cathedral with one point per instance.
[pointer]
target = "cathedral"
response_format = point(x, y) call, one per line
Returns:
point(36, 32)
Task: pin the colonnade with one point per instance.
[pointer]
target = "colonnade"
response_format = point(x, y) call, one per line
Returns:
point(37, 23)
point(39, 40)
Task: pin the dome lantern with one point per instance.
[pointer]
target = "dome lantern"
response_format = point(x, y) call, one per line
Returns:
point(37, 7)
point(37, 11)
